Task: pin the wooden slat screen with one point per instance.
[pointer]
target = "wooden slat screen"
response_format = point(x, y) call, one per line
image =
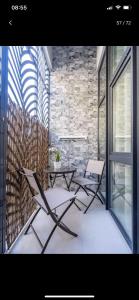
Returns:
point(1, 162)
point(27, 126)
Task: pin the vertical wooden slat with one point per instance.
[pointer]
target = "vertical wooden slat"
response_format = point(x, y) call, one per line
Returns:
point(27, 142)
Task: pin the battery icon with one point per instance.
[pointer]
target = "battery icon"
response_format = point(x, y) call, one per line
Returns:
point(127, 7)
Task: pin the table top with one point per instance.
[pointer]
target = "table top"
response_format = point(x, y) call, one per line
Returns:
point(62, 170)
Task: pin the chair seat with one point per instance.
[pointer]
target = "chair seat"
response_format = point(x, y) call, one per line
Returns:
point(55, 197)
point(91, 188)
point(83, 181)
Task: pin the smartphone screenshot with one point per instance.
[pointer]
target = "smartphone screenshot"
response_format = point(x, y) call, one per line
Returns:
point(69, 149)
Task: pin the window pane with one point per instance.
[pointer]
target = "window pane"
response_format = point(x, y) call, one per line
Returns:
point(102, 80)
point(103, 182)
point(117, 52)
point(102, 128)
point(102, 122)
point(122, 112)
point(121, 202)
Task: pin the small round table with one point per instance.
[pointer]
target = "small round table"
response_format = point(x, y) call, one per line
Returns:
point(61, 172)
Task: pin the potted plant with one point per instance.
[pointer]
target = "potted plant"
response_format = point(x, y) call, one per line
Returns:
point(57, 162)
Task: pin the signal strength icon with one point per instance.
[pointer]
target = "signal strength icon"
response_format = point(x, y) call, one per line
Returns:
point(110, 8)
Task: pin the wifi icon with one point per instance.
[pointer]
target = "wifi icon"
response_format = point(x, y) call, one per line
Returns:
point(118, 6)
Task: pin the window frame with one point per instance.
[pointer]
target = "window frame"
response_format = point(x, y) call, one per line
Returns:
point(100, 102)
point(124, 157)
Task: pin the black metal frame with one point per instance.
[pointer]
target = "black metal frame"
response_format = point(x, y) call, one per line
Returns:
point(95, 193)
point(136, 88)
point(107, 133)
point(125, 158)
point(87, 190)
point(57, 220)
point(3, 147)
point(60, 173)
point(135, 150)
point(100, 102)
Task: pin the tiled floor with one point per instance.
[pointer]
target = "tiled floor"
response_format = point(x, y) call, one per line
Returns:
point(97, 233)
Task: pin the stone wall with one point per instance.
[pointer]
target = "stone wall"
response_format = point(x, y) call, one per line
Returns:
point(73, 103)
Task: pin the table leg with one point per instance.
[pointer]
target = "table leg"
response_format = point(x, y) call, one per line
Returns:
point(54, 180)
point(71, 180)
point(50, 176)
point(66, 181)
point(68, 184)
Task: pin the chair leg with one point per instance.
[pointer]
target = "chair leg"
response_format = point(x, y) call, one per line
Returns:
point(55, 213)
point(77, 190)
point(66, 229)
point(50, 235)
point(84, 189)
point(77, 206)
point(90, 203)
point(63, 227)
point(81, 202)
point(32, 220)
point(37, 237)
point(99, 199)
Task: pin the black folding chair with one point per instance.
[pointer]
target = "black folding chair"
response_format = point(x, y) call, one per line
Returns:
point(86, 182)
point(49, 201)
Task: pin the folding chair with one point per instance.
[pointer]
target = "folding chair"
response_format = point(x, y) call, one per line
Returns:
point(49, 201)
point(94, 167)
point(121, 191)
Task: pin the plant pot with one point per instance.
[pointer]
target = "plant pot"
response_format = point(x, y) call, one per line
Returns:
point(57, 164)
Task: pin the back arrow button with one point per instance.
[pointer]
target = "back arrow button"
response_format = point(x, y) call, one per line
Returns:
point(10, 22)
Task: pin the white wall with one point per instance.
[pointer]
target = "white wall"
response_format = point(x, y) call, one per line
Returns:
point(100, 51)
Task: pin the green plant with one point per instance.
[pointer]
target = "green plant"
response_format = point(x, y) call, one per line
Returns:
point(58, 156)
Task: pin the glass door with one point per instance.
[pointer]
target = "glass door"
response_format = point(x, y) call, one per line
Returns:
point(120, 138)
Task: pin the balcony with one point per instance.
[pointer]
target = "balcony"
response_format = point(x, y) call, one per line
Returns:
point(97, 234)
point(56, 97)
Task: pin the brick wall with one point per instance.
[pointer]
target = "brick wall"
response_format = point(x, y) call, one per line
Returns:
point(73, 103)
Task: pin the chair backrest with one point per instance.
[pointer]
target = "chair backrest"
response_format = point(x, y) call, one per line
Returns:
point(34, 184)
point(31, 180)
point(95, 166)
